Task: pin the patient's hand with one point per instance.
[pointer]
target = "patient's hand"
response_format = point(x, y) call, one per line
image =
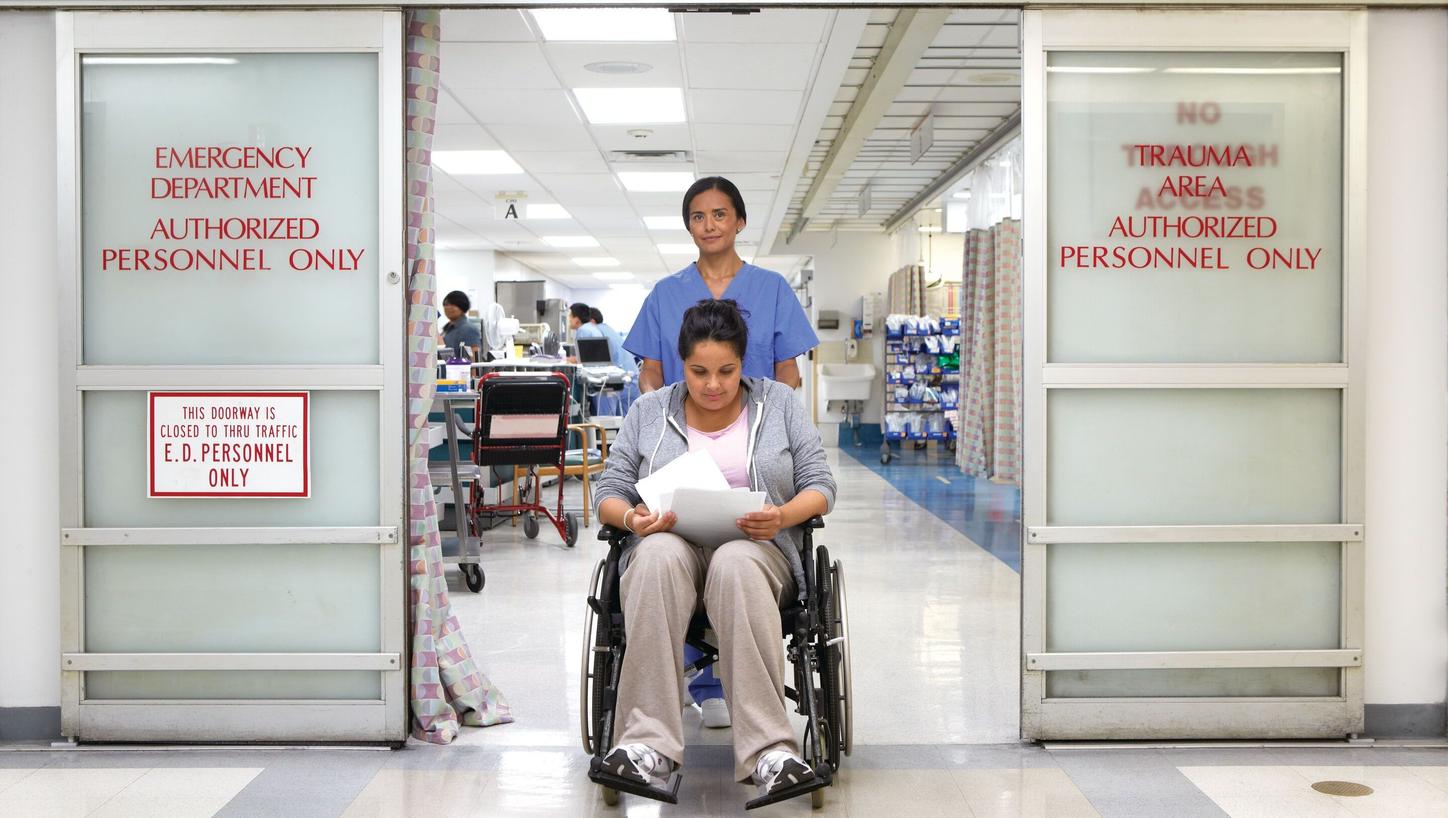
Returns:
point(763, 524)
point(644, 522)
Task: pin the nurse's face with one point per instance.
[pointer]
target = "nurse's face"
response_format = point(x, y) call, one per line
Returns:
point(452, 312)
point(711, 374)
point(713, 222)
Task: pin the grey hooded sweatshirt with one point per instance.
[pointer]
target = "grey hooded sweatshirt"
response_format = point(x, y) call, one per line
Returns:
point(786, 455)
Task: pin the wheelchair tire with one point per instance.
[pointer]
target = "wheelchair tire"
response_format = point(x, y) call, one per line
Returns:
point(530, 526)
point(590, 682)
point(474, 577)
point(570, 524)
point(830, 711)
point(610, 796)
point(846, 680)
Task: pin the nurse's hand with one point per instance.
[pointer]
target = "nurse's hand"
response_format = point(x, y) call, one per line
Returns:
point(644, 522)
point(762, 524)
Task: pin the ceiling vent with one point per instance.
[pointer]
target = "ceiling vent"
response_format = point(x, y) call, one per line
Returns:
point(650, 155)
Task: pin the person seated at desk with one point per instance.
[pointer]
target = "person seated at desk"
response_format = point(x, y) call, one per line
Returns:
point(743, 582)
point(459, 333)
point(580, 320)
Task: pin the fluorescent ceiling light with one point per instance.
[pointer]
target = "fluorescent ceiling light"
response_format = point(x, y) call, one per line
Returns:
point(1323, 69)
point(929, 228)
point(605, 25)
point(547, 211)
point(674, 222)
point(627, 106)
point(962, 194)
point(678, 249)
point(656, 181)
point(595, 261)
point(158, 60)
point(475, 163)
point(1097, 69)
point(571, 241)
point(614, 276)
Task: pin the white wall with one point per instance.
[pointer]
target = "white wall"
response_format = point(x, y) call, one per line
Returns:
point(1406, 658)
point(468, 270)
point(29, 431)
point(846, 266)
point(619, 307)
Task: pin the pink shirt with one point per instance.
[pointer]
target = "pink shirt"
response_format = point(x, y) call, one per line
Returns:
point(729, 447)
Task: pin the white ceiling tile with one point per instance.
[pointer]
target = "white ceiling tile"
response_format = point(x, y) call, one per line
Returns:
point(656, 201)
point(770, 67)
point(661, 137)
point(663, 58)
point(756, 107)
point(769, 26)
point(985, 15)
point(874, 34)
point(561, 161)
point(450, 112)
point(492, 106)
point(476, 25)
point(608, 221)
point(566, 184)
point(495, 65)
point(488, 187)
point(743, 137)
point(723, 163)
point(523, 138)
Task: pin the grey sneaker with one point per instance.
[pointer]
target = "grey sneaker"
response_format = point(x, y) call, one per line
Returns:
point(715, 712)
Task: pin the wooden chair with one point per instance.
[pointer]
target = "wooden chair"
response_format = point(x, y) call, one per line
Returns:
point(577, 464)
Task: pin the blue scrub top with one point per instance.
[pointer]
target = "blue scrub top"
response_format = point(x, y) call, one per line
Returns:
point(778, 328)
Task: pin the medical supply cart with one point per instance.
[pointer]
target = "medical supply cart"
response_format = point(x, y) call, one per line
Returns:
point(922, 381)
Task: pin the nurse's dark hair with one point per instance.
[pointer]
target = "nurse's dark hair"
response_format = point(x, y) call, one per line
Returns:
point(720, 184)
point(579, 311)
point(714, 319)
point(458, 299)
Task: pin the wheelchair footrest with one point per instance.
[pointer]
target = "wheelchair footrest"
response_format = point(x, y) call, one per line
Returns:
point(787, 793)
point(668, 793)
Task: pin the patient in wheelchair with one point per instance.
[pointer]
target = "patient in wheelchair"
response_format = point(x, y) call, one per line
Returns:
point(762, 439)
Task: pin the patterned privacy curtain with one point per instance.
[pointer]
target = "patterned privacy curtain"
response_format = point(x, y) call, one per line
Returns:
point(907, 291)
point(990, 354)
point(446, 687)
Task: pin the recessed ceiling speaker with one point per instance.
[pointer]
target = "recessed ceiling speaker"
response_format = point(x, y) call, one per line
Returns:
point(618, 67)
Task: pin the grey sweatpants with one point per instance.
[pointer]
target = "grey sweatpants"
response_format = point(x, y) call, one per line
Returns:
point(743, 583)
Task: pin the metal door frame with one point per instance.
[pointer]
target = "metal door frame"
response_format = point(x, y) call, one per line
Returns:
point(1183, 718)
point(383, 719)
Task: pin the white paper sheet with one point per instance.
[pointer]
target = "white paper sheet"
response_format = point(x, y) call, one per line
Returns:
point(707, 517)
point(696, 470)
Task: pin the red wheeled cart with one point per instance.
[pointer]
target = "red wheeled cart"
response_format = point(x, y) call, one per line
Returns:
point(522, 420)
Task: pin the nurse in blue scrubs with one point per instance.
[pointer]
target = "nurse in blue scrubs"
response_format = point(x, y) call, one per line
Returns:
point(779, 331)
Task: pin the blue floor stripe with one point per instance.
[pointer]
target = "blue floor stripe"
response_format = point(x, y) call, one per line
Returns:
point(988, 513)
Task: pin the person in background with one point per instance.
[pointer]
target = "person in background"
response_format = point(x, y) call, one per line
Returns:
point(459, 333)
point(580, 320)
point(619, 400)
point(779, 331)
point(621, 357)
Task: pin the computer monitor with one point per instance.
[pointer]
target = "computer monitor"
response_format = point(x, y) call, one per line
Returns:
point(594, 352)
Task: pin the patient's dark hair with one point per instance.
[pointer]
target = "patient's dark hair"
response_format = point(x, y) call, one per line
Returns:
point(714, 319)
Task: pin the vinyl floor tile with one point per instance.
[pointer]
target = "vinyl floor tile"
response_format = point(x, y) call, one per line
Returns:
point(61, 793)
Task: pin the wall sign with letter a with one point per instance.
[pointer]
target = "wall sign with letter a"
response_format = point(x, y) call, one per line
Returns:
point(228, 444)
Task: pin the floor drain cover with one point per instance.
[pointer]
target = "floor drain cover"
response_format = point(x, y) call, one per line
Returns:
point(1345, 788)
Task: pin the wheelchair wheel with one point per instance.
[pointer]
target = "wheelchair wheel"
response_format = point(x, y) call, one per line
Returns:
point(530, 526)
point(610, 796)
point(570, 523)
point(588, 680)
point(829, 707)
point(840, 628)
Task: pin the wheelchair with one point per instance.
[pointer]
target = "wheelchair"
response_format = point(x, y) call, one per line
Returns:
point(818, 648)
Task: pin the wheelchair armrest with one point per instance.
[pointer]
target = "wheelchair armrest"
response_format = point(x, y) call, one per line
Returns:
point(813, 523)
point(611, 535)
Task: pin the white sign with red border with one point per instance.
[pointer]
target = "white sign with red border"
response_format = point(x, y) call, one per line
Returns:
point(228, 444)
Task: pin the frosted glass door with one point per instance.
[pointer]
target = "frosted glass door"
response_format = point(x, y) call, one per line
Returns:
point(236, 236)
point(1193, 498)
